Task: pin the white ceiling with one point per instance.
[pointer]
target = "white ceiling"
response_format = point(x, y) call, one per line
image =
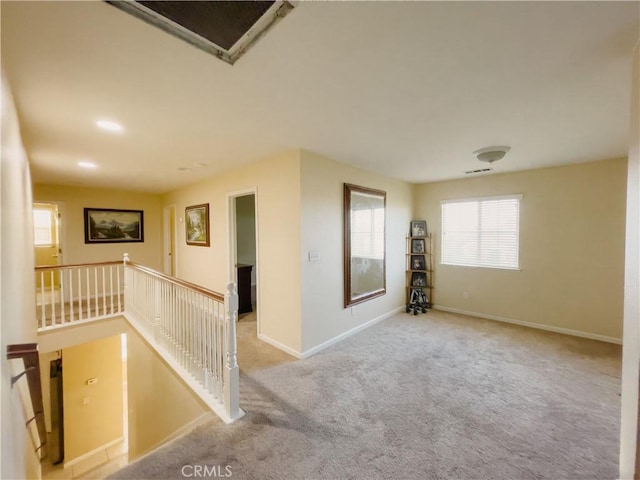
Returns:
point(406, 89)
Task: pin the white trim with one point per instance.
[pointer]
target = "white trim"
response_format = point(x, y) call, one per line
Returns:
point(539, 326)
point(231, 243)
point(61, 232)
point(280, 346)
point(512, 196)
point(84, 456)
point(353, 331)
point(328, 343)
point(181, 432)
point(166, 237)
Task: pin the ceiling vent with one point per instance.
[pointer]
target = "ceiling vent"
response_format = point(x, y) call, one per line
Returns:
point(224, 29)
point(480, 170)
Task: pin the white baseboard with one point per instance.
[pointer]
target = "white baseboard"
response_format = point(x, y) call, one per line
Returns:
point(328, 343)
point(348, 333)
point(280, 346)
point(182, 431)
point(92, 452)
point(539, 326)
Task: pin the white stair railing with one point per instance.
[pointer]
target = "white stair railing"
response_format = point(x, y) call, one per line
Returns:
point(192, 328)
point(69, 294)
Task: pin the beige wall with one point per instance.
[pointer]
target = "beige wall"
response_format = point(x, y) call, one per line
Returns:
point(17, 308)
point(631, 349)
point(88, 426)
point(73, 201)
point(159, 403)
point(322, 183)
point(572, 223)
point(277, 181)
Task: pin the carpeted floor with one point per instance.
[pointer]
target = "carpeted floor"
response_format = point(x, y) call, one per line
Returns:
point(437, 396)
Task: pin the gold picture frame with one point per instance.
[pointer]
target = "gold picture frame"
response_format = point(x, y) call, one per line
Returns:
point(196, 225)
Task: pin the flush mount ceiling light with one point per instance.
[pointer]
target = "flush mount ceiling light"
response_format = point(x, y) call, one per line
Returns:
point(85, 164)
point(109, 126)
point(491, 154)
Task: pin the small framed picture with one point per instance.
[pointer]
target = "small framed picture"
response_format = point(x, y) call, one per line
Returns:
point(418, 279)
point(418, 262)
point(417, 245)
point(418, 228)
point(197, 225)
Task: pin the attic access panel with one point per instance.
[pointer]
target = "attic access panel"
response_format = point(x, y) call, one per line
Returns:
point(225, 29)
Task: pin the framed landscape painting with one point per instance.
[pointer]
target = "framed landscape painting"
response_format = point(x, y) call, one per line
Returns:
point(106, 225)
point(197, 225)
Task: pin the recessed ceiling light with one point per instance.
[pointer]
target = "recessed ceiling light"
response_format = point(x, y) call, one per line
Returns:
point(109, 125)
point(85, 164)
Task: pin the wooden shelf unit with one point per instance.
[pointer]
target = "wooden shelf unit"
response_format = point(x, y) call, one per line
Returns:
point(428, 265)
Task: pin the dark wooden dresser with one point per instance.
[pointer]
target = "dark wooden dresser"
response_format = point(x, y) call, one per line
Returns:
point(244, 288)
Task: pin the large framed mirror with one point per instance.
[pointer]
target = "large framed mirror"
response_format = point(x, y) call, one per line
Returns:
point(364, 244)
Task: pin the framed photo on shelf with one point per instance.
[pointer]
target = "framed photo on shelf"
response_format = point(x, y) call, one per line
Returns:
point(419, 228)
point(419, 279)
point(107, 225)
point(417, 245)
point(418, 262)
point(197, 225)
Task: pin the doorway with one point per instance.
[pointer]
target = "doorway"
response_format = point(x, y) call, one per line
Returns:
point(170, 241)
point(244, 258)
point(245, 253)
point(47, 219)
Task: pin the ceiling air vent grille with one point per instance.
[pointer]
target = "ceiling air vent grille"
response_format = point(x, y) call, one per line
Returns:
point(224, 29)
point(480, 170)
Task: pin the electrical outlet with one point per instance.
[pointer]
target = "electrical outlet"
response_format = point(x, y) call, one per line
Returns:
point(465, 294)
point(353, 311)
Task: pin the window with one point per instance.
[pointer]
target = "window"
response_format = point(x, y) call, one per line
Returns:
point(42, 227)
point(367, 233)
point(481, 232)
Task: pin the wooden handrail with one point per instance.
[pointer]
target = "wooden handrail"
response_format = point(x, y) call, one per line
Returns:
point(176, 281)
point(44, 268)
point(29, 354)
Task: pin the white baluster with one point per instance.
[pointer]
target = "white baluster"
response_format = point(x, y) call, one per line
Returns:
point(62, 290)
point(79, 295)
point(52, 295)
point(71, 312)
point(231, 372)
point(104, 292)
point(111, 289)
point(118, 288)
point(95, 291)
point(43, 319)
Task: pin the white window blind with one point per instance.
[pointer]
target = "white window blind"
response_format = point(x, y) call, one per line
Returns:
point(42, 227)
point(482, 232)
point(367, 233)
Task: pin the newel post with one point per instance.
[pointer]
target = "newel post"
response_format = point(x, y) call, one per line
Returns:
point(231, 371)
point(127, 281)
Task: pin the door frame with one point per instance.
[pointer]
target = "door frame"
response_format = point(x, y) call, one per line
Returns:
point(232, 273)
point(167, 253)
point(60, 230)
